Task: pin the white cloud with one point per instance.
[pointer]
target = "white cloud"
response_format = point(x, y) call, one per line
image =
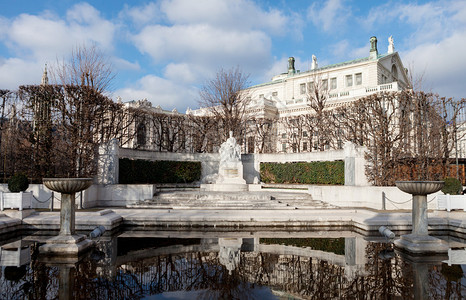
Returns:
point(204, 45)
point(181, 72)
point(16, 71)
point(122, 64)
point(166, 93)
point(443, 65)
point(142, 15)
point(432, 21)
point(332, 14)
point(240, 14)
point(45, 36)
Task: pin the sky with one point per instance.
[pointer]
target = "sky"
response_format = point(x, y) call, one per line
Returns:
point(167, 50)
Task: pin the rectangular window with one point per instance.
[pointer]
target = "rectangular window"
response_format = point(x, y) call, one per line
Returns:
point(310, 86)
point(284, 147)
point(304, 133)
point(358, 78)
point(349, 80)
point(333, 83)
point(302, 88)
point(294, 147)
point(275, 94)
point(304, 146)
point(283, 135)
point(325, 84)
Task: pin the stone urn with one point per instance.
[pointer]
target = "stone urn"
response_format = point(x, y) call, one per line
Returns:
point(419, 240)
point(67, 242)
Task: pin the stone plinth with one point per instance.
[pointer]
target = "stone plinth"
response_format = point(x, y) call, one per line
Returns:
point(67, 242)
point(419, 241)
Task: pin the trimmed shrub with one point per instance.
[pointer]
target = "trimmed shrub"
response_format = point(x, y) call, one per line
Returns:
point(150, 172)
point(18, 183)
point(316, 172)
point(452, 186)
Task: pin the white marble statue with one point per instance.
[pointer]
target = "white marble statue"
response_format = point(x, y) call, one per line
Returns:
point(391, 46)
point(230, 151)
point(314, 62)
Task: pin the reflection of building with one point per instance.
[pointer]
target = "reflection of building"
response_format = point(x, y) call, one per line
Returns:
point(274, 105)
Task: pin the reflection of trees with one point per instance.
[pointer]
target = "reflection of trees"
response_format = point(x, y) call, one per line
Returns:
point(386, 276)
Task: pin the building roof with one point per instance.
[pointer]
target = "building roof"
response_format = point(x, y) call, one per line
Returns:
point(332, 66)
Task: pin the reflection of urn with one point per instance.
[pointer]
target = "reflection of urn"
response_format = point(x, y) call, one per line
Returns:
point(419, 240)
point(67, 243)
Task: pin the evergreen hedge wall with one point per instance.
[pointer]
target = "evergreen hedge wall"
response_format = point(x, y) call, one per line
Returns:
point(316, 172)
point(144, 171)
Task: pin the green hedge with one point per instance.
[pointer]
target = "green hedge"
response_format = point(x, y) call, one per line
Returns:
point(317, 172)
point(143, 171)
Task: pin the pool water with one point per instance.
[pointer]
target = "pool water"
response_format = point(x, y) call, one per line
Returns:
point(204, 266)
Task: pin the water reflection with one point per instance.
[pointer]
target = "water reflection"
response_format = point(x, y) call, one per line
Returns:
point(233, 268)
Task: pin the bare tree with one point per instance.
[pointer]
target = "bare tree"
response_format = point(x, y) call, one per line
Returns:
point(203, 133)
point(87, 66)
point(226, 99)
point(262, 135)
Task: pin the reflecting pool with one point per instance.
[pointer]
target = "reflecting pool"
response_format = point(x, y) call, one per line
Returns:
point(177, 265)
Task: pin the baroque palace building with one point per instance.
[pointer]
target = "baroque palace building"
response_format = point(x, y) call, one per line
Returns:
point(286, 97)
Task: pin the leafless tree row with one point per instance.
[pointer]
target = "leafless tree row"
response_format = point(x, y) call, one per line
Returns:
point(408, 135)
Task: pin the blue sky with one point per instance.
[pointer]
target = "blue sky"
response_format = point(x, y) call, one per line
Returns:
point(165, 50)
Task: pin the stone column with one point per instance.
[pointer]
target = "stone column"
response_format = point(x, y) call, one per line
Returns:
point(355, 164)
point(419, 215)
point(108, 163)
point(67, 214)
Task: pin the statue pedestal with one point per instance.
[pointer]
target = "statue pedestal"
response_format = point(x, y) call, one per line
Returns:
point(230, 178)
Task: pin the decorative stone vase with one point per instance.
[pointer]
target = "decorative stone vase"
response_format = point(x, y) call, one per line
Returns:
point(67, 242)
point(419, 241)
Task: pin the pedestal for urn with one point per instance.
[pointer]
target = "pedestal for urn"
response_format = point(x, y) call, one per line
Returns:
point(67, 243)
point(419, 241)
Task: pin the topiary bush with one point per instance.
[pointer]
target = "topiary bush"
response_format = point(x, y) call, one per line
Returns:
point(452, 186)
point(18, 183)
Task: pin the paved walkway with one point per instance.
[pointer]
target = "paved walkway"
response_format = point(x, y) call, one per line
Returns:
point(112, 218)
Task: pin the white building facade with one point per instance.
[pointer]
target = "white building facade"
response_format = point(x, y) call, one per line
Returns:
point(287, 94)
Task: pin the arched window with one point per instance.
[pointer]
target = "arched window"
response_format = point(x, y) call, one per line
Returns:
point(141, 134)
point(394, 72)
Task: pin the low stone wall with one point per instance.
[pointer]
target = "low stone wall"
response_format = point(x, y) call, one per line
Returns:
point(43, 196)
point(367, 196)
point(343, 196)
point(94, 196)
point(122, 194)
point(352, 156)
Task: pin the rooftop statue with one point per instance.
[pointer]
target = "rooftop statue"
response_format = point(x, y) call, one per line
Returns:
point(314, 62)
point(230, 151)
point(391, 45)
